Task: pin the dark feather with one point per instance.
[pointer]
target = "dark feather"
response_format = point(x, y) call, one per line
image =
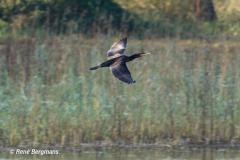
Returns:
point(121, 72)
point(94, 68)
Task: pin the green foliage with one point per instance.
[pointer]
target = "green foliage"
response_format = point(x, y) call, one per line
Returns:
point(86, 15)
point(148, 18)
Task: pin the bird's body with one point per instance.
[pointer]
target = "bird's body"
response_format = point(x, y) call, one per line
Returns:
point(117, 61)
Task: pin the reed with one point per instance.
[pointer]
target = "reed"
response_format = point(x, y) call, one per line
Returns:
point(186, 90)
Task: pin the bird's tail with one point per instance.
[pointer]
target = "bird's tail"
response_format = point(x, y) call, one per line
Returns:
point(94, 68)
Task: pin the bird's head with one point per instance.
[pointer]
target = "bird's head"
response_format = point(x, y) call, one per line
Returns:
point(144, 54)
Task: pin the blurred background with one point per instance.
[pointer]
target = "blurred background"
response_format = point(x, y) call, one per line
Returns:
point(144, 18)
point(187, 91)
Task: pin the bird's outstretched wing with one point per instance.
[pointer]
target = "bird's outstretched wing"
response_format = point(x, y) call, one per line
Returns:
point(117, 47)
point(121, 72)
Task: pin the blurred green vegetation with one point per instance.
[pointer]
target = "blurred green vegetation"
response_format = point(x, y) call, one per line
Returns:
point(142, 18)
point(61, 15)
point(186, 92)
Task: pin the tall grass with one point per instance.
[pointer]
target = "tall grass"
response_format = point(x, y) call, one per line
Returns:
point(186, 90)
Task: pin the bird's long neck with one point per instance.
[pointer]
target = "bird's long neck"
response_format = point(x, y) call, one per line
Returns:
point(134, 56)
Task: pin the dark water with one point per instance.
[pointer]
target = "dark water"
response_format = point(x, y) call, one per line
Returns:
point(134, 154)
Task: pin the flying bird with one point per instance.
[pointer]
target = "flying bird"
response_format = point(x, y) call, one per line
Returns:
point(117, 61)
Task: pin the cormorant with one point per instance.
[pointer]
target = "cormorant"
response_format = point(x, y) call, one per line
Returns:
point(117, 61)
